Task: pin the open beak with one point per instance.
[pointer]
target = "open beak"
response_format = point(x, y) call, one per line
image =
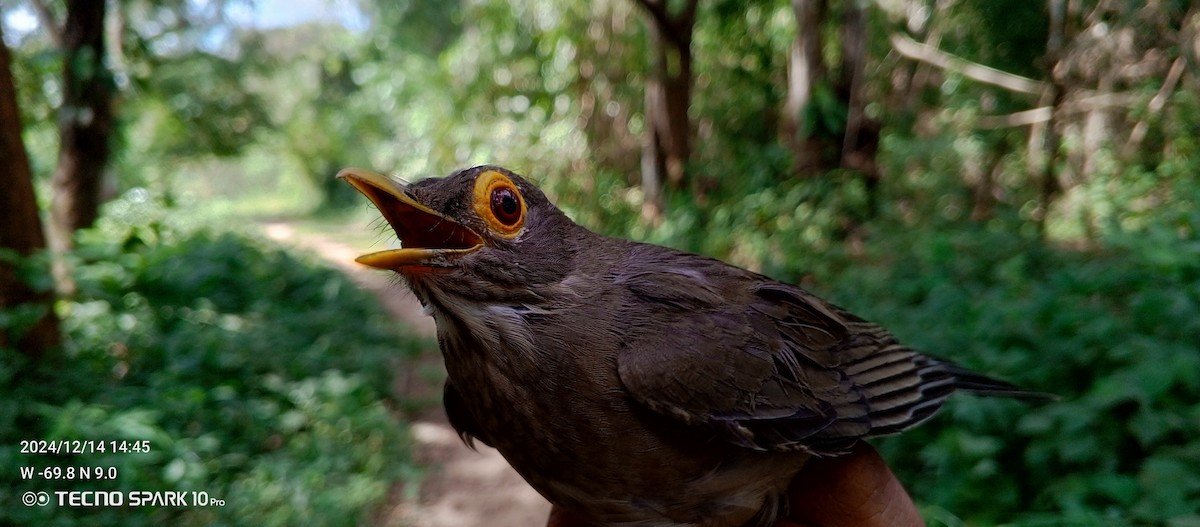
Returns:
point(428, 238)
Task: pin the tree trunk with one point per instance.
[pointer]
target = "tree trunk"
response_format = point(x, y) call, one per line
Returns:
point(805, 68)
point(930, 31)
point(653, 158)
point(20, 227)
point(860, 142)
point(675, 68)
point(854, 59)
point(668, 98)
point(1048, 186)
point(85, 123)
point(984, 191)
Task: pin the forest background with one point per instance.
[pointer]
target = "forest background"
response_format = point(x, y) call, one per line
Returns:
point(1007, 183)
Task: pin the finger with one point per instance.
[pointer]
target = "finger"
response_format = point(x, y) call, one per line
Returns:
point(856, 489)
point(559, 517)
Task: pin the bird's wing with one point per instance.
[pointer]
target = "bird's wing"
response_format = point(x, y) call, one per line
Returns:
point(773, 367)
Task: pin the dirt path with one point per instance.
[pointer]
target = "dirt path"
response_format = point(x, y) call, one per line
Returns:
point(462, 488)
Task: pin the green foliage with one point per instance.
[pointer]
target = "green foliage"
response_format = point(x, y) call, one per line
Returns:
point(740, 72)
point(256, 376)
point(204, 109)
point(238, 363)
point(1112, 332)
point(1009, 35)
point(34, 272)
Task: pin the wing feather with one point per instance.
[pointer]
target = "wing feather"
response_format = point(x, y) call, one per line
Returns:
point(769, 365)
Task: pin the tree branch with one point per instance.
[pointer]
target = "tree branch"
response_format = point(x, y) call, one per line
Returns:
point(658, 11)
point(1156, 105)
point(1022, 118)
point(688, 16)
point(1086, 104)
point(671, 27)
point(972, 70)
point(47, 20)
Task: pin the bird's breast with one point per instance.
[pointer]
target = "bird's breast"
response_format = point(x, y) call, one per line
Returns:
point(547, 395)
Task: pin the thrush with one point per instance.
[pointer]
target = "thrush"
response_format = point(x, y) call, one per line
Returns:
point(633, 384)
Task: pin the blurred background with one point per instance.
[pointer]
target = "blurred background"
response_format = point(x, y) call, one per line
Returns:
point(1011, 184)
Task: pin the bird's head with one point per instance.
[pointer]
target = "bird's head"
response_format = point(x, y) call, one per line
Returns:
point(483, 233)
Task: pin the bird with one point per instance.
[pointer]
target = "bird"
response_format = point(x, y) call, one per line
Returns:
point(633, 384)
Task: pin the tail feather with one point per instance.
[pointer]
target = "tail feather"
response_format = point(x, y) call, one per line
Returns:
point(979, 384)
point(932, 382)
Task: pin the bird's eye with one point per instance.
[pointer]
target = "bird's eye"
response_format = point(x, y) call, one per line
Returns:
point(499, 203)
point(505, 206)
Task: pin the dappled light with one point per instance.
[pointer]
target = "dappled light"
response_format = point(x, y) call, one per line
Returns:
point(1011, 185)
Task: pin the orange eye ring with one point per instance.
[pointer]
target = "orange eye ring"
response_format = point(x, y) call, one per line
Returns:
point(499, 203)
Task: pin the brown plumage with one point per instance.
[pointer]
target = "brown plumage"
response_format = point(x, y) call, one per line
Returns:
point(634, 384)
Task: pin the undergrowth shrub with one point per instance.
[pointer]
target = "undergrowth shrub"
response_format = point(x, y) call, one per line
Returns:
point(1114, 331)
point(256, 376)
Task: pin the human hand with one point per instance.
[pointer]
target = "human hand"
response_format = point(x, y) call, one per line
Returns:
point(853, 490)
point(857, 489)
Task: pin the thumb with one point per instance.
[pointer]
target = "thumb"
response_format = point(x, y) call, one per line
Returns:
point(856, 489)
